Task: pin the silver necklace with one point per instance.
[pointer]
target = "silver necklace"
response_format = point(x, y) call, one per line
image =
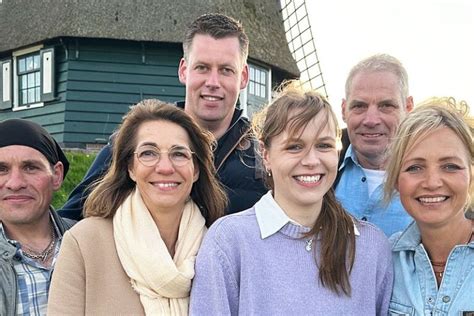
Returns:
point(30, 253)
point(309, 244)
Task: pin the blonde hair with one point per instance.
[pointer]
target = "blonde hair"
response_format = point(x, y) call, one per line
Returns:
point(428, 116)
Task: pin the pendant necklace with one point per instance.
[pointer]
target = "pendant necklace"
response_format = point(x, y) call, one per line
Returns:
point(309, 244)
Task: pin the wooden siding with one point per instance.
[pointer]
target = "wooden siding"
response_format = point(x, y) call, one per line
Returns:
point(105, 77)
point(97, 80)
point(51, 115)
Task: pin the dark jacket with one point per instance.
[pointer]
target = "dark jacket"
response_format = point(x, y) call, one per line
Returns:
point(345, 144)
point(234, 159)
point(8, 282)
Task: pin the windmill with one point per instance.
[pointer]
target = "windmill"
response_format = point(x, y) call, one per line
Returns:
point(301, 43)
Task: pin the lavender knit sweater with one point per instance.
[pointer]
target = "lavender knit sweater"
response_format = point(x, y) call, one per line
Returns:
point(239, 273)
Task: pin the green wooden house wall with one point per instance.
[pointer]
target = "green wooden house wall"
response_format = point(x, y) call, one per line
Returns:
point(106, 77)
point(96, 82)
point(51, 115)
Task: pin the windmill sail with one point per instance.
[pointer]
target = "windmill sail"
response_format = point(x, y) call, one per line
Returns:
point(301, 43)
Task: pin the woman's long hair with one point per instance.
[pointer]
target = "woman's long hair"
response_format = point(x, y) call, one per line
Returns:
point(111, 191)
point(334, 225)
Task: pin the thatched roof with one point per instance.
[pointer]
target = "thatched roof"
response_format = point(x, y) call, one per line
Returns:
point(25, 22)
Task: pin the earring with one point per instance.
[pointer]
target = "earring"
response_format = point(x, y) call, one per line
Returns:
point(269, 173)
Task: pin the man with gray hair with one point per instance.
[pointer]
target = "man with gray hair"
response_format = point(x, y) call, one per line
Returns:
point(376, 101)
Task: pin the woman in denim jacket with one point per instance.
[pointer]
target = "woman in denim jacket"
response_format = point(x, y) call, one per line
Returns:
point(431, 167)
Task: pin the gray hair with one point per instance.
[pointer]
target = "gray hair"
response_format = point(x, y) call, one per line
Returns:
point(377, 63)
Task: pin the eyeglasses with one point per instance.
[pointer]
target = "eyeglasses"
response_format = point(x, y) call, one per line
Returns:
point(149, 156)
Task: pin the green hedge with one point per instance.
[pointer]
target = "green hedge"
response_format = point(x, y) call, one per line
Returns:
point(79, 162)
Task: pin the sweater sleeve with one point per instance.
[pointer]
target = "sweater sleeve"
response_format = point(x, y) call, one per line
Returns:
point(67, 291)
point(384, 278)
point(215, 290)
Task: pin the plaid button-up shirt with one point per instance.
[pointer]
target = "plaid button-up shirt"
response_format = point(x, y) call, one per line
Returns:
point(32, 278)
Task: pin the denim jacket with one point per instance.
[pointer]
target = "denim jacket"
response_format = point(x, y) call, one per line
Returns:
point(352, 191)
point(415, 291)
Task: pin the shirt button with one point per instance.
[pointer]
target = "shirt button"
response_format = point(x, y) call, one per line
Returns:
point(363, 179)
point(364, 219)
point(446, 299)
point(430, 300)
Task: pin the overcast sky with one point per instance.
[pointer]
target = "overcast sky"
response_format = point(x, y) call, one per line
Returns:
point(434, 39)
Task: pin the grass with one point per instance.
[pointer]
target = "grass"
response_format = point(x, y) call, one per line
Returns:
point(79, 162)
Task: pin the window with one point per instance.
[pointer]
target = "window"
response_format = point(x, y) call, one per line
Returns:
point(27, 79)
point(258, 82)
point(258, 91)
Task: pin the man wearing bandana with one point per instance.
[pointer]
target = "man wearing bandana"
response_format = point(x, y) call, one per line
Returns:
point(32, 168)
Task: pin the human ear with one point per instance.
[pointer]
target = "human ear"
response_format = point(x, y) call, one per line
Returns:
point(182, 71)
point(245, 77)
point(58, 172)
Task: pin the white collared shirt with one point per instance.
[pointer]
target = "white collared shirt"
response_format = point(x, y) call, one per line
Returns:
point(271, 217)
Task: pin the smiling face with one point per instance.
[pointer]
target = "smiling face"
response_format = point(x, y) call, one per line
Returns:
point(435, 178)
point(27, 184)
point(372, 113)
point(213, 74)
point(303, 166)
point(164, 187)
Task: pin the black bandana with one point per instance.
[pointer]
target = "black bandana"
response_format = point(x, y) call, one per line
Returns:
point(27, 133)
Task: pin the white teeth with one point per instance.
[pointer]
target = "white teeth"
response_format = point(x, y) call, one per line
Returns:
point(433, 199)
point(208, 98)
point(309, 179)
point(167, 185)
point(372, 135)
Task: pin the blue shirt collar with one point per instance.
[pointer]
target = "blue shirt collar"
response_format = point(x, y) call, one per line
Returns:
point(349, 156)
point(410, 238)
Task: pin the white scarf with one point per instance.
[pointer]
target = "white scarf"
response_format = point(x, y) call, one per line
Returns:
point(162, 282)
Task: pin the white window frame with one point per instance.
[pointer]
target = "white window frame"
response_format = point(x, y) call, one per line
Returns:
point(244, 95)
point(16, 97)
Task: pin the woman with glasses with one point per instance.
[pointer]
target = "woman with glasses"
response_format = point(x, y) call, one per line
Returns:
point(431, 167)
point(297, 251)
point(134, 252)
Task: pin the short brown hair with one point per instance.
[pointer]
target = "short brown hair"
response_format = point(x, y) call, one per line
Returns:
point(217, 26)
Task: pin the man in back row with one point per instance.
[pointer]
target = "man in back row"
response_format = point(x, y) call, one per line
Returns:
point(32, 167)
point(376, 101)
point(214, 70)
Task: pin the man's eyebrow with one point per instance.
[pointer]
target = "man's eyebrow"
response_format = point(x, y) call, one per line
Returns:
point(356, 102)
point(385, 101)
point(31, 161)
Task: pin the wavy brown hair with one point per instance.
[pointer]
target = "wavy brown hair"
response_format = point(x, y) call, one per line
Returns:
point(334, 225)
point(112, 190)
